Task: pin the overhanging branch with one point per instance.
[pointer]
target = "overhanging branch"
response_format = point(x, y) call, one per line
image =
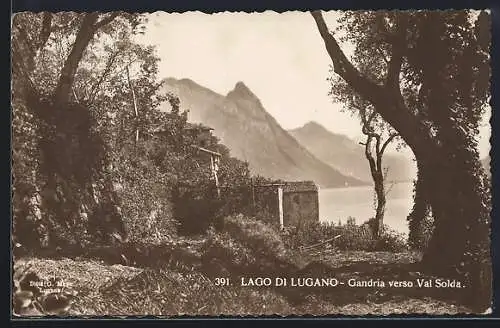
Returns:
point(342, 66)
point(388, 141)
point(106, 20)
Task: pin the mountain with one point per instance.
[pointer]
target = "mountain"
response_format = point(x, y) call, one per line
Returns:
point(346, 155)
point(252, 134)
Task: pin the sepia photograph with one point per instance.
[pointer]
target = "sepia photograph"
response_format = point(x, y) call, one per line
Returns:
point(303, 163)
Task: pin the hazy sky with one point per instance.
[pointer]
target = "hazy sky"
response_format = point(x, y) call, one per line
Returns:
point(280, 57)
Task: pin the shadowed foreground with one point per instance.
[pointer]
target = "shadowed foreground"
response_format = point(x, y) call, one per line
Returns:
point(175, 289)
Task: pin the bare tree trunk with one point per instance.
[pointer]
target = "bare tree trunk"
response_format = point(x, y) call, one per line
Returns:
point(376, 168)
point(381, 201)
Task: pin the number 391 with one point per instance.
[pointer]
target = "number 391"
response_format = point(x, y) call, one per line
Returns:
point(219, 281)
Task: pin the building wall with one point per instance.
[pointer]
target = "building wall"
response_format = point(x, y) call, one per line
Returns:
point(266, 200)
point(300, 202)
point(300, 207)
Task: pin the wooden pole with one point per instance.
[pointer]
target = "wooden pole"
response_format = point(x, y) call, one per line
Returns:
point(214, 167)
point(319, 244)
point(253, 194)
point(135, 104)
point(280, 206)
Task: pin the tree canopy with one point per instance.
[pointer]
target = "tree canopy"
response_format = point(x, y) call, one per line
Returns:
point(426, 73)
point(90, 162)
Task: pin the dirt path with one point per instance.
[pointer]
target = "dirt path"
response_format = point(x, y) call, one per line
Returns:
point(121, 290)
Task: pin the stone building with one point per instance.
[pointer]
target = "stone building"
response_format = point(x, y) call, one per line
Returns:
point(289, 203)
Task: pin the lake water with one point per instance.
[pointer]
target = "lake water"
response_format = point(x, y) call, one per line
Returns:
point(339, 203)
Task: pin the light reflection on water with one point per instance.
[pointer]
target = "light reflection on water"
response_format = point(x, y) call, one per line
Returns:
point(339, 203)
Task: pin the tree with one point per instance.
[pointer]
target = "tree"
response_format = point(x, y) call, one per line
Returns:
point(433, 92)
point(65, 154)
point(379, 135)
point(420, 219)
point(375, 147)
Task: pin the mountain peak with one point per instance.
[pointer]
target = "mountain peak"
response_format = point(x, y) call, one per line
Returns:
point(313, 125)
point(241, 90)
point(240, 85)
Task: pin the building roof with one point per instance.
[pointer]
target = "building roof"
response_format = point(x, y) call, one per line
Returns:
point(299, 186)
point(197, 126)
point(293, 186)
point(189, 127)
point(208, 151)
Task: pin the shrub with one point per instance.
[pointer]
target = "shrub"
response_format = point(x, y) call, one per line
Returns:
point(245, 246)
point(355, 237)
point(195, 207)
point(391, 241)
point(258, 236)
point(144, 197)
point(229, 253)
point(308, 234)
point(351, 236)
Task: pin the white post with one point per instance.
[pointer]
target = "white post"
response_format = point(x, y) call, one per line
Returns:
point(215, 166)
point(280, 205)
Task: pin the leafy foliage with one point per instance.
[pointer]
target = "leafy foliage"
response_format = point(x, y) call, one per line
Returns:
point(349, 237)
point(72, 197)
point(429, 79)
point(246, 246)
point(112, 160)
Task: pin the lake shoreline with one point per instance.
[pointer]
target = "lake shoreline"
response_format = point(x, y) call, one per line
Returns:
point(338, 204)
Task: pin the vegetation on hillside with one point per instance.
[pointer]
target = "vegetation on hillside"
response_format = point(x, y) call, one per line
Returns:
point(105, 164)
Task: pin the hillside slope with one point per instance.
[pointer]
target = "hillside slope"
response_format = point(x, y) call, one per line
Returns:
point(252, 134)
point(346, 155)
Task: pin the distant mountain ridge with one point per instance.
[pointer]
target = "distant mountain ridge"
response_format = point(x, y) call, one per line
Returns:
point(344, 154)
point(252, 134)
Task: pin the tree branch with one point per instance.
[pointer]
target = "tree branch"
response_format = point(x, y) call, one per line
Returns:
point(67, 76)
point(342, 66)
point(366, 128)
point(388, 141)
point(106, 71)
point(371, 117)
point(135, 104)
point(381, 52)
point(88, 28)
point(44, 31)
point(377, 150)
point(391, 108)
point(106, 20)
point(75, 95)
point(384, 32)
point(369, 156)
point(398, 50)
point(388, 190)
